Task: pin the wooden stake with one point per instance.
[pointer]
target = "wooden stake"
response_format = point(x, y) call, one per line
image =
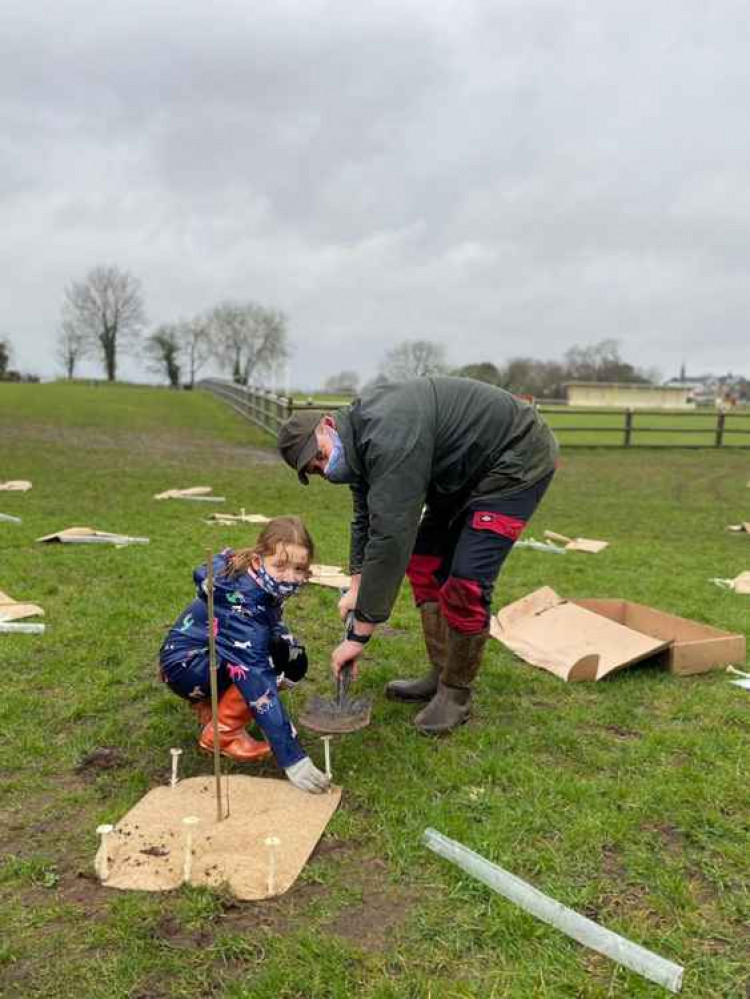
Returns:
point(213, 671)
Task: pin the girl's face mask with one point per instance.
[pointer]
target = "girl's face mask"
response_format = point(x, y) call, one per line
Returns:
point(275, 587)
point(283, 573)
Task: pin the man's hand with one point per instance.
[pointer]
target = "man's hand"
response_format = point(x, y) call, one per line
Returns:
point(349, 600)
point(343, 654)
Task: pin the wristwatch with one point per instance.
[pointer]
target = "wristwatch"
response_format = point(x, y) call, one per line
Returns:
point(351, 636)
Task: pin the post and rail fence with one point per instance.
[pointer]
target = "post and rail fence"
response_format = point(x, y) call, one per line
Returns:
point(262, 407)
point(623, 428)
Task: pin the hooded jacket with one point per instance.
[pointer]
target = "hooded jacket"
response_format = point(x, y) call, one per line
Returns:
point(435, 440)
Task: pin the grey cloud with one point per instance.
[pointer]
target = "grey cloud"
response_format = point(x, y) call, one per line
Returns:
point(507, 177)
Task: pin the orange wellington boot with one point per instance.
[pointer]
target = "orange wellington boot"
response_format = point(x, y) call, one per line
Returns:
point(234, 741)
point(202, 711)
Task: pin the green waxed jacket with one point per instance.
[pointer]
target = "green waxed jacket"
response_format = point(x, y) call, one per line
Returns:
point(430, 440)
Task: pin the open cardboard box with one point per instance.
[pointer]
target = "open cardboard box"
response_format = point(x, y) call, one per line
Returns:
point(581, 640)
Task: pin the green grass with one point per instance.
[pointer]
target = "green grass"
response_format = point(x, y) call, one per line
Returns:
point(626, 799)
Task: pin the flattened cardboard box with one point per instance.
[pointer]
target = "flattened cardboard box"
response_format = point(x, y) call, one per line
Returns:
point(581, 640)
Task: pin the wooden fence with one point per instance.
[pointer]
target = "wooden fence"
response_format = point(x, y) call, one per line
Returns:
point(262, 407)
point(623, 427)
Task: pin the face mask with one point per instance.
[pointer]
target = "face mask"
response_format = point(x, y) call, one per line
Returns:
point(337, 470)
point(275, 587)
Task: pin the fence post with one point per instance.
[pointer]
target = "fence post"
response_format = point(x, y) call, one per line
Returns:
point(628, 428)
point(720, 418)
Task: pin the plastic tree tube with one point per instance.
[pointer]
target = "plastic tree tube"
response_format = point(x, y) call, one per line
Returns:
point(585, 931)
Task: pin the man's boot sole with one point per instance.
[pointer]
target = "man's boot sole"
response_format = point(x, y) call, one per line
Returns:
point(436, 732)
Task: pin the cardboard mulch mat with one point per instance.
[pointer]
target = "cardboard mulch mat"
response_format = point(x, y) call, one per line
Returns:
point(577, 544)
point(15, 486)
point(238, 518)
point(146, 850)
point(12, 610)
point(330, 575)
point(87, 535)
point(193, 493)
point(740, 584)
point(589, 639)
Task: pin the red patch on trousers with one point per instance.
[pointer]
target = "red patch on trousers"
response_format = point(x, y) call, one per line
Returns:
point(421, 574)
point(462, 605)
point(498, 523)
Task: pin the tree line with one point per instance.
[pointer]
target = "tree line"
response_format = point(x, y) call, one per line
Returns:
point(599, 362)
point(103, 315)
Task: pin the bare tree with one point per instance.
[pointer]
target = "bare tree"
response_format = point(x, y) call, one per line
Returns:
point(71, 347)
point(5, 355)
point(250, 338)
point(413, 359)
point(601, 362)
point(342, 381)
point(197, 345)
point(106, 309)
point(163, 348)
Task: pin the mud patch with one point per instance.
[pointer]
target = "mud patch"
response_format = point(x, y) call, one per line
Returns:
point(370, 924)
point(670, 836)
point(620, 733)
point(101, 758)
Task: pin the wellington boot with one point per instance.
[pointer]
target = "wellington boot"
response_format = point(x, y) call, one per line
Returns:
point(449, 708)
point(424, 688)
point(234, 741)
point(451, 705)
point(202, 711)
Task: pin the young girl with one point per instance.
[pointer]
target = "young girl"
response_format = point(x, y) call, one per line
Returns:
point(255, 652)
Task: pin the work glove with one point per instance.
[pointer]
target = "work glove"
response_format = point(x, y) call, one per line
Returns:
point(306, 776)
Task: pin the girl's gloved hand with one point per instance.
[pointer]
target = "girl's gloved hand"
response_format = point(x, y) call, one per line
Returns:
point(306, 776)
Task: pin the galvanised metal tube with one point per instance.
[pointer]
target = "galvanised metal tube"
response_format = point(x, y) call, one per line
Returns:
point(585, 931)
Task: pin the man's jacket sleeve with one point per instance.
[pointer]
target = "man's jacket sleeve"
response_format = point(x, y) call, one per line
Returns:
point(360, 529)
point(398, 486)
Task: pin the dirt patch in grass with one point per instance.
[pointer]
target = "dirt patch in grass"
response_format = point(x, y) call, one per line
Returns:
point(101, 758)
point(670, 836)
point(176, 442)
point(619, 732)
point(367, 922)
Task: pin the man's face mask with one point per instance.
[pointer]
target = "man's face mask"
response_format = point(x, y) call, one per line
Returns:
point(337, 470)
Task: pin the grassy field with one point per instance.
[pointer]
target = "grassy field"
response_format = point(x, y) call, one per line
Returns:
point(626, 799)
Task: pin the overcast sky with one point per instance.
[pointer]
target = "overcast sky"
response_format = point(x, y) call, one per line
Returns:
point(508, 177)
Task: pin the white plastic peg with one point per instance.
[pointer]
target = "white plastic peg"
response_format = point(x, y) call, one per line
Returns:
point(176, 754)
point(190, 821)
point(272, 842)
point(102, 856)
point(327, 750)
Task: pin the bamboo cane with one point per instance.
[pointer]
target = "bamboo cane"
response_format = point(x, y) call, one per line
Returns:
point(213, 672)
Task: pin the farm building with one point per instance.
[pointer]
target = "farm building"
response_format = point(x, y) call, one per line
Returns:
point(626, 395)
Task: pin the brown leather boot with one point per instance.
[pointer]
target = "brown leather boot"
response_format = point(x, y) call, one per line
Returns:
point(451, 705)
point(433, 629)
point(234, 741)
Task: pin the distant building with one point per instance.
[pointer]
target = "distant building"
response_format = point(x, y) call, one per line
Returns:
point(628, 395)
